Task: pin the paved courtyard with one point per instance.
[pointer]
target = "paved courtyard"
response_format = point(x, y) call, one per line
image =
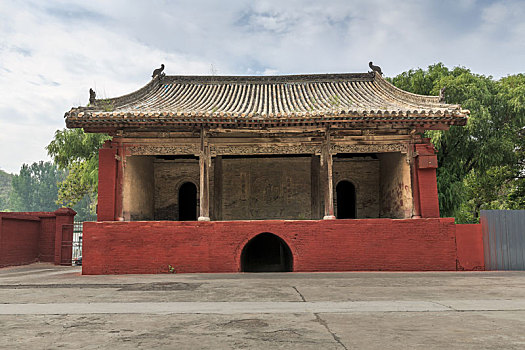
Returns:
point(48, 307)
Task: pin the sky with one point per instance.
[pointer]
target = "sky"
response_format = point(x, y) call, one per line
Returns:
point(53, 52)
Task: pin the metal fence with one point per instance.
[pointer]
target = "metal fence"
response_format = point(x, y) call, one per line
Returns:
point(77, 240)
point(503, 239)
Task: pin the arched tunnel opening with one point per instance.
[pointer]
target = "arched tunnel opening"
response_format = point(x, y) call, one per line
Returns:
point(266, 252)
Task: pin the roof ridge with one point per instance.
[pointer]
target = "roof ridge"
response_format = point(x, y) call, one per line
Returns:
point(270, 78)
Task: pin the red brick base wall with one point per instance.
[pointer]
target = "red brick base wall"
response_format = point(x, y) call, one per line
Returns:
point(33, 236)
point(329, 245)
point(469, 241)
point(19, 236)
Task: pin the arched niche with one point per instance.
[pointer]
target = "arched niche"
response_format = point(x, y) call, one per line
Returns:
point(266, 252)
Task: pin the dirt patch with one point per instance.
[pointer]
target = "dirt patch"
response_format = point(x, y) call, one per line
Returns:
point(247, 323)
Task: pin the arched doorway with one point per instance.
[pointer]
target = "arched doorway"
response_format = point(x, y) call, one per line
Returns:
point(188, 202)
point(266, 253)
point(345, 193)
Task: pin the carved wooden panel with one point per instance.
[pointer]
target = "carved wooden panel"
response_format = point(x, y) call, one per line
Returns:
point(263, 149)
point(255, 149)
point(150, 150)
point(377, 148)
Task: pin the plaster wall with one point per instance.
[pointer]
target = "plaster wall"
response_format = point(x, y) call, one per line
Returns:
point(138, 189)
point(396, 188)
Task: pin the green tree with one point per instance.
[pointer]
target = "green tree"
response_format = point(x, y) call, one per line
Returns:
point(5, 190)
point(481, 164)
point(35, 188)
point(76, 152)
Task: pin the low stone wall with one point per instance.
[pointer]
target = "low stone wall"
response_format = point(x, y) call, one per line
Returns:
point(34, 236)
point(316, 245)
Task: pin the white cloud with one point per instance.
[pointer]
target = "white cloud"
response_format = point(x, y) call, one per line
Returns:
point(52, 52)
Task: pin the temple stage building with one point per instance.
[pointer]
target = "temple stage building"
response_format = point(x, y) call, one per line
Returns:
point(325, 172)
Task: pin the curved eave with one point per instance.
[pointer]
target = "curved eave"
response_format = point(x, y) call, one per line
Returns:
point(154, 121)
point(244, 101)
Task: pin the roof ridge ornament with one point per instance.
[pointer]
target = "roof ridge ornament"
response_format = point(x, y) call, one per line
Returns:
point(375, 68)
point(92, 96)
point(158, 71)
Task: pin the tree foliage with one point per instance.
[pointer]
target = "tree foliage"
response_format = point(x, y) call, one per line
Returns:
point(77, 152)
point(35, 188)
point(5, 190)
point(481, 165)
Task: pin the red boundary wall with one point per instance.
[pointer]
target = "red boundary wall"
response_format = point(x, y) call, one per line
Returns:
point(323, 245)
point(469, 241)
point(34, 236)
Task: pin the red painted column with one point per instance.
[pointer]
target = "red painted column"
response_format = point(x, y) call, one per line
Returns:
point(64, 216)
point(426, 165)
point(107, 181)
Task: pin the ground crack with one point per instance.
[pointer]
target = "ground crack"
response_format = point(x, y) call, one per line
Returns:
point(325, 325)
point(447, 306)
point(302, 297)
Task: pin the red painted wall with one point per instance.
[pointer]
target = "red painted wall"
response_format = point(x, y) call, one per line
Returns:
point(18, 239)
point(107, 182)
point(469, 241)
point(324, 245)
point(33, 236)
point(47, 239)
point(427, 193)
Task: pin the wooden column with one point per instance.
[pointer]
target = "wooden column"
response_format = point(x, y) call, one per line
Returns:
point(326, 166)
point(217, 189)
point(314, 189)
point(204, 168)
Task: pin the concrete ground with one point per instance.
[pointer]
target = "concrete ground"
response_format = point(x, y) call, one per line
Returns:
point(51, 307)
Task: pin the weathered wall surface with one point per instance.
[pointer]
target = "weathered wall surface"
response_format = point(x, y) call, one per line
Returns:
point(138, 188)
point(329, 245)
point(364, 175)
point(283, 187)
point(396, 186)
point(266, 188)
point(169, 176)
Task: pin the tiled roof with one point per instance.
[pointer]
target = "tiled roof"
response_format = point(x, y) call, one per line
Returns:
point(265, 100)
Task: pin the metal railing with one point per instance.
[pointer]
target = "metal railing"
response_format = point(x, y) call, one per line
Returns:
point(77, 240)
